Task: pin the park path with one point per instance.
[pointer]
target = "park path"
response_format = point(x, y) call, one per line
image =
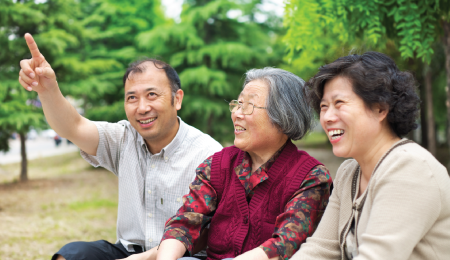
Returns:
point(36, 148)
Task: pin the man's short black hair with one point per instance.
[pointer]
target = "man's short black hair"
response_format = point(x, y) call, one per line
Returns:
point(139, 67)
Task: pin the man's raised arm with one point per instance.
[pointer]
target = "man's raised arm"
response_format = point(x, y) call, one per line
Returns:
point(37, 74)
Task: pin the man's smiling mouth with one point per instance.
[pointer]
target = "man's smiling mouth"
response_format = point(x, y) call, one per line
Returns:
point(147, 121)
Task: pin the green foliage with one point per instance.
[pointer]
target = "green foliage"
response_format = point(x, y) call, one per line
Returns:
point(411, 24)
point(89, 43)
point(313, 38)
point(211, 52)
point(319, 31)
point(93, 70)
point(110, 113)
point(20, 110)
point(439, 83)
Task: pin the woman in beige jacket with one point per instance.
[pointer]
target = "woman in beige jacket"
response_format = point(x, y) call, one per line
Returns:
point(392, 200)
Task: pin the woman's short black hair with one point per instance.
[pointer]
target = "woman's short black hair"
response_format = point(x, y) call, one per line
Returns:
point(376, 79)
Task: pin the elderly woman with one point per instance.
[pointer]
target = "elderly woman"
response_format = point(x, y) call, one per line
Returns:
point(392, 200)
point(262, 197)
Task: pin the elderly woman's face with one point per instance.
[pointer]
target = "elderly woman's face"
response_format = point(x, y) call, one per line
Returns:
point(351, 126)
point(254, 132)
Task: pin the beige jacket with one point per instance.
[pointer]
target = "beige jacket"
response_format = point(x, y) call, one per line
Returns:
point(406, 214)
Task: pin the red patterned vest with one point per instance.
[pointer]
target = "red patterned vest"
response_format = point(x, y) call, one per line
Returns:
point(238, 226)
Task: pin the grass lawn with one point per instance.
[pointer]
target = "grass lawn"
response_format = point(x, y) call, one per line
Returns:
point(65, 200)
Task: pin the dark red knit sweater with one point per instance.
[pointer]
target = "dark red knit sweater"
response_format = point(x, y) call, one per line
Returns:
point(238, 226)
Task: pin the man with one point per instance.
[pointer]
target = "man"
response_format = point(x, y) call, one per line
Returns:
point(154, 153)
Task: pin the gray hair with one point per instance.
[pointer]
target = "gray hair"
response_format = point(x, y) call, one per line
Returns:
point(287, 103)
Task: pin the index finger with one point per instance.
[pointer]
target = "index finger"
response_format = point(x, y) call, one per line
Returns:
point(32, 46)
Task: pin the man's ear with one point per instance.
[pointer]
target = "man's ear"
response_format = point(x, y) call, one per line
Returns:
point(178, 99)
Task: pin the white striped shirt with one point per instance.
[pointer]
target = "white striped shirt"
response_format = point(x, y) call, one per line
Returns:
point(151, 186)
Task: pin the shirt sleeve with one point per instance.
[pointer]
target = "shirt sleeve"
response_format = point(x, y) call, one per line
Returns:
point(111, 136)
point(302, 215)
point(197, 210)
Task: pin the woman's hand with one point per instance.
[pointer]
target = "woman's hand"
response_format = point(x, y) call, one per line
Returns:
point(255, 254)
point(147, 255)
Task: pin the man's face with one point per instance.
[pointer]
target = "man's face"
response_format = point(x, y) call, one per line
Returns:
point(149, 108)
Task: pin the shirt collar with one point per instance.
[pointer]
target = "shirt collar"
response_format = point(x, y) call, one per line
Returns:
point(169, 149)
point(265, 166)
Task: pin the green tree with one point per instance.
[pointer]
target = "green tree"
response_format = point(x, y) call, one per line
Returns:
point(412, 25)
point(93, 69)
point(88, 43)
point(215, 43)
point(18, 111)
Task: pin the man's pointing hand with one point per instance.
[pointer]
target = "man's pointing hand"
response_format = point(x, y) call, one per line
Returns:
point(36, 73)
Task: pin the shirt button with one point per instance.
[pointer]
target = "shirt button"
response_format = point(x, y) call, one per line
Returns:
point(150, 240)
point(153, 166)
point(178, 199)
point(150, 215)
point(167, 158)
point(149, 192)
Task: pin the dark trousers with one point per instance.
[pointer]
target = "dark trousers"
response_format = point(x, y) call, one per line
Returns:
point(96, 250)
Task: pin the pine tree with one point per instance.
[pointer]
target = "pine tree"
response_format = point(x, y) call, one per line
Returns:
point(93, 70)
point(19, 110)
point(87, 42)
point(211, 49)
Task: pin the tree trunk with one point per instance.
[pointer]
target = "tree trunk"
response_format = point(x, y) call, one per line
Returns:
point(446, 28)
point(23, 152)
point(431, 131)
point(209, 129)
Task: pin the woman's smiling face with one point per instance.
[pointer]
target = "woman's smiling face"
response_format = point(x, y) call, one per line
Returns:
point(351, 126)
point(254, 132)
